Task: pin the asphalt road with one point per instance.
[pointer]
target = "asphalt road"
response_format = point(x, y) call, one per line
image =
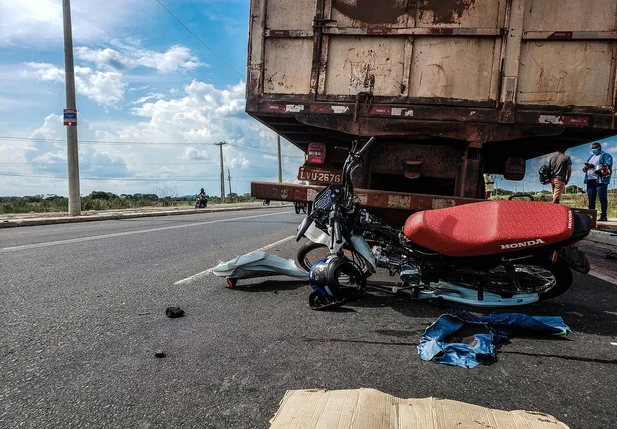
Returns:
point(82, 312)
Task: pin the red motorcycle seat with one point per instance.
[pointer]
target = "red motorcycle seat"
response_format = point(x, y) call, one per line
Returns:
point(490, 227)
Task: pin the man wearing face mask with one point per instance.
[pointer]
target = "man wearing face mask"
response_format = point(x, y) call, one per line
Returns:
point(598, 169)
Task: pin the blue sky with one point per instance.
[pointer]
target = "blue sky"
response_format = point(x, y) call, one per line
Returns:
point(141, 77)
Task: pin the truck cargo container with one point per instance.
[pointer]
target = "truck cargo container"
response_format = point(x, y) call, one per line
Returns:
point(451, 88)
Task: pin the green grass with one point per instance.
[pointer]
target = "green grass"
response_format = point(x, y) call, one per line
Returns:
point(575, 201)
point(98, 201)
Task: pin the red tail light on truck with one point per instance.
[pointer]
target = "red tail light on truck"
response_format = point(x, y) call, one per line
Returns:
point(316, 153)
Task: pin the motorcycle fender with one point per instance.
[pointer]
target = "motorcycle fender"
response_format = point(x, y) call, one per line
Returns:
point(575, 259)
point(303, 227)
point(362, 247)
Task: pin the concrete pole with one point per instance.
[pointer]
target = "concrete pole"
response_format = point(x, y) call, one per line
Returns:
point(229, 179)
point(278, 146)
point(72, 147)
point(220, 145)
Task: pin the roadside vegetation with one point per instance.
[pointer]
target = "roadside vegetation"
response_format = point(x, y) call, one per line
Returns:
point(100, 200)
point(574, 197)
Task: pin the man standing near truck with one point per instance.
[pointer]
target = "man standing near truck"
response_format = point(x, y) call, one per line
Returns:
point(489, 185)
point(598, 169)
point(560, 165)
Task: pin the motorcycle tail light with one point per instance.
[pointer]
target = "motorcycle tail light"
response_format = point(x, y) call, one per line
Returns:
point(316, 153)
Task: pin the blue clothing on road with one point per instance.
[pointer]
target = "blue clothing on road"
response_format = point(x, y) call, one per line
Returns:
point(465, 340)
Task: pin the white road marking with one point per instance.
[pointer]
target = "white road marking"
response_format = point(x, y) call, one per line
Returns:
point(614, 344)
point(122, 234)
point(209, 270)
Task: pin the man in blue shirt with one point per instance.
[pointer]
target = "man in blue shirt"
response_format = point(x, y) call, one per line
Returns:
point(598, 177)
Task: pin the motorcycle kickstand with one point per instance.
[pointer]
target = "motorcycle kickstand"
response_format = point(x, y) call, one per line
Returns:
point(480, 288)
point(415, 293)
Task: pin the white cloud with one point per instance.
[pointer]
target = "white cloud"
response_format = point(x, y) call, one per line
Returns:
point(52, 128)
point(106, 88)
point(40, 21)
point(192, 153)
point(130, 56)
point(180, 131)
point(156, 96)
point(237, 161)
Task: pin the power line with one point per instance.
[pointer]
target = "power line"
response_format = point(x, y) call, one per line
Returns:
point(108, 142)
point(251, 150)
point(250, 167)
point(131, 179)
point(201, 41)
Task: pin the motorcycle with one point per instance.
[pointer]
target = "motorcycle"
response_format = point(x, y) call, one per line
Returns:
point(492, 253)
point(300, 207)
point(201, 203)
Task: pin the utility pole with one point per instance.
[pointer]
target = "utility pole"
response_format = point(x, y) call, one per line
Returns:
point(72, 148)
point(229, 179)
point(278, 145)
point(220, 145)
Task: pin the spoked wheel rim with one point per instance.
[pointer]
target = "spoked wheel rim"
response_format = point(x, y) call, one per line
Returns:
point(531, 277)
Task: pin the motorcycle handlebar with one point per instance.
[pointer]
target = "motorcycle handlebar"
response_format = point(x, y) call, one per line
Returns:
point(336, 231)
point(365, 148)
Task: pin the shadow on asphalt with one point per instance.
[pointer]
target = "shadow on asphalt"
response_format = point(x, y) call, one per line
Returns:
point(174, 219)
point(565, 357)
point(270, 285)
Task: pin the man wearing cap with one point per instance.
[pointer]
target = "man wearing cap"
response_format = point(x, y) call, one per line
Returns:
point(598, 169)
point(560, 165)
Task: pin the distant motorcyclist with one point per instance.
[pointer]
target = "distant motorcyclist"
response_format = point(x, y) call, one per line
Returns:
point(202, 200)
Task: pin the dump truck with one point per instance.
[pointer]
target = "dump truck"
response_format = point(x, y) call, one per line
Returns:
point(452, 89)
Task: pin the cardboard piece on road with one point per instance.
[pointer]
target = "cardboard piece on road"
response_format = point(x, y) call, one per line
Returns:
point(372, 409)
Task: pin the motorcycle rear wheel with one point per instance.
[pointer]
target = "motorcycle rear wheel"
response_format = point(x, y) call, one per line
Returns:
point(563, 275)
point(538, 275)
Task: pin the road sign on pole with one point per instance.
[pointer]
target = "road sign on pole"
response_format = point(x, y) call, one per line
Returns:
point(70, 117)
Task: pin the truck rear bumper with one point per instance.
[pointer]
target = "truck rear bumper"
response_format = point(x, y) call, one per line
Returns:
point(366, 198)
point(371, 198)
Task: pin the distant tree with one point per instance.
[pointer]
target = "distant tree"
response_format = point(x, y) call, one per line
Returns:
point(54, 197)
point(166, 191)
point(102, 195)
point(573, 189)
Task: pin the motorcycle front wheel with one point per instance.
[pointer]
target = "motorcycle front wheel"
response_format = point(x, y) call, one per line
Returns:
point(310, 252)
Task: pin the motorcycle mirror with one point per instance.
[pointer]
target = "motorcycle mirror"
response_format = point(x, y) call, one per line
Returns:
point(306, 222)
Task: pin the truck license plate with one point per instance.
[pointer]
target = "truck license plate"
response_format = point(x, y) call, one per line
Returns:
point(319, 175)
